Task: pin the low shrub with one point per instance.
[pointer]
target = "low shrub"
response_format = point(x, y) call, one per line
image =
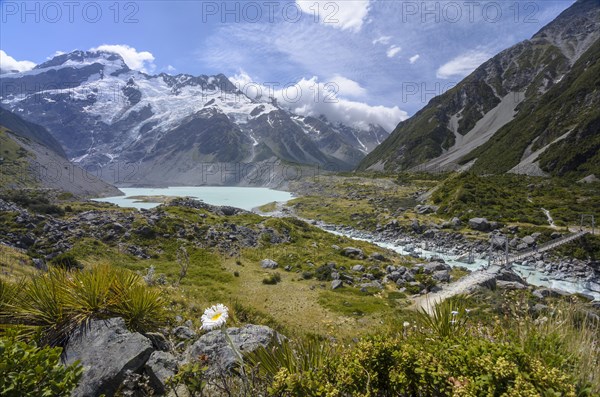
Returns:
point(26, 370)
point(66, 261)
point(272, 279)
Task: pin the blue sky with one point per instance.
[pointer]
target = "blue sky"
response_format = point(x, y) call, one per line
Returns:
point(381, 56)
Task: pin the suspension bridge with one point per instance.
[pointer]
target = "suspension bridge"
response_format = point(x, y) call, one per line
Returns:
point(486, 275)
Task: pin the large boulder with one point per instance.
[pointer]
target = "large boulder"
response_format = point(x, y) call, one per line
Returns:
point(216, 348)
point(441, 276)
point(431, 267)
point(160, 367)
point(480, 224)
point(106, 350)
point(510, 275)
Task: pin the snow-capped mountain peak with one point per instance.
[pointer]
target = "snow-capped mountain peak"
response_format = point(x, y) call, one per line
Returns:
point(102, 111)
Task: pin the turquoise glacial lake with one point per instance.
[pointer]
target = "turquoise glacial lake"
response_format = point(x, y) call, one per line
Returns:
point(240, 197)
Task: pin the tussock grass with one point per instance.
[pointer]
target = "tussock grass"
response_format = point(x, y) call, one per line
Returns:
point(51, 305)
point(568, 337)
point(448, 318)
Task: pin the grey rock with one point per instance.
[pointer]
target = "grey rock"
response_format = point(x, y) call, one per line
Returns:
point(555, 235)
point(522, 247)
point(456, 222)
point(160, 367)
point(509, 275)
point(40, 264)
point(335, 284)
point(441, 276)
point(395, 276)
point(106, 350)
point(480, 224)
point(546, 292)
point(429, 233)
point(372, 284)
point(498, 242)
point(416, 227)
point(589, 179)
point(408, 276)
point(268, 264)
point(426, 209)
point(529, 240)
point(352, 252)
point(220, 355)
point(229, 211)
point(159, 341)
point(358, 268)
point(183, 332)
point(377, 256)
point(434, 267)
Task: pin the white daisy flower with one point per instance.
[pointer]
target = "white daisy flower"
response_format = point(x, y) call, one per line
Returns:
point(214, 317)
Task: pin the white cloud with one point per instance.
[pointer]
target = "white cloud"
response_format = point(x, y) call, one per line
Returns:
point(344, 15)
point(336, 108)
point(463, 64)
point(9, 64)
point(142, 61)
point(347, 87)
point(383, 40)
point(310, 97)
point(171, 69)
point(393, 51)
point(414, 58)
point(253, 90)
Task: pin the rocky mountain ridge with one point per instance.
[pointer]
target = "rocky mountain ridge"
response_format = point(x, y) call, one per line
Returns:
point(104, 113)
point(32, 158)
point(530, 109)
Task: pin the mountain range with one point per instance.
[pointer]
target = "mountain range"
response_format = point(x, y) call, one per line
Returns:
point(170, 127)
point(533, 109)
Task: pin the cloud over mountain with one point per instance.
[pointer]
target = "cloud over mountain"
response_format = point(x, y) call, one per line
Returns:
point(9, 64)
